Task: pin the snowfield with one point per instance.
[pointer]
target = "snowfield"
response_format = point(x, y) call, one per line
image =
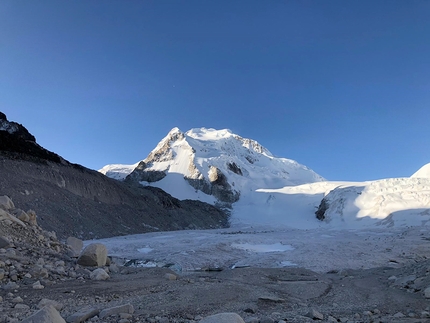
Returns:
point(320, 250)
point(371, 224)
point(117, 171)
point(273, 224)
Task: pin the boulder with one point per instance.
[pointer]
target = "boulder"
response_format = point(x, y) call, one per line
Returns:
point(75, 245)
point(99, 274)
point(48, 314)
point(6, 203)
point(94, 254)
point(223, 318)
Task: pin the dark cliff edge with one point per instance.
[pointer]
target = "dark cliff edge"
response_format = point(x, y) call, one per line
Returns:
point(75, 201)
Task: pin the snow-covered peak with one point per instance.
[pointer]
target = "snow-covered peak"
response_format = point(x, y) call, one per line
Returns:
point(214, 165)
point(223, 168)
point(209, 133)
point(423, 172)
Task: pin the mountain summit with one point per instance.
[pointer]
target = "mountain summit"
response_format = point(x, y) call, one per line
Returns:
point(215, 166)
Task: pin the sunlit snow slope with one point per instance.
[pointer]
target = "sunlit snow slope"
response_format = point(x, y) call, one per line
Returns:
point(387, 202)
point(423, 172)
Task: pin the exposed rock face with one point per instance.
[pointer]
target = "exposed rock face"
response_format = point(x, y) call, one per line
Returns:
point(320, 213)
point(84, 203)
point(221, 189)
point(234, 168)
point(217, 185)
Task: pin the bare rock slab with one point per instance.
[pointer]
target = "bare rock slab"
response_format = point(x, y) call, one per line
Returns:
point(223, 318)
point(94, 254)
point(48, 314)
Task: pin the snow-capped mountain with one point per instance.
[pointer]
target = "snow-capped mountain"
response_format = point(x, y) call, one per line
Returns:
point(219, 167)
point(213, 166)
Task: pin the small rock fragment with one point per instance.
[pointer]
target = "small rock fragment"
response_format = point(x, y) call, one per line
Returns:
point(314, 314)
point(82, 315)
point(17, 300)
point(170, 276)
point(127, 308)
point(21, 306)
point(10, 285)
point(99, 274)
point(223, 318)
point(38, 285)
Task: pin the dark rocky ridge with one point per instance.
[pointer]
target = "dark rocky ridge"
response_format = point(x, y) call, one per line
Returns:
point(73, 200)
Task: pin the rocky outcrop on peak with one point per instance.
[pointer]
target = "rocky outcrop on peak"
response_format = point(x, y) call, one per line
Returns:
point(15, 129)
point(16, 142)
point(142, 174)
point(216, 185)
point(84, 203)
point(221, 189)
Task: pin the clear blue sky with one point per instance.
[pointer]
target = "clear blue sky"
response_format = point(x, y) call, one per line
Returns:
point(340, 86)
